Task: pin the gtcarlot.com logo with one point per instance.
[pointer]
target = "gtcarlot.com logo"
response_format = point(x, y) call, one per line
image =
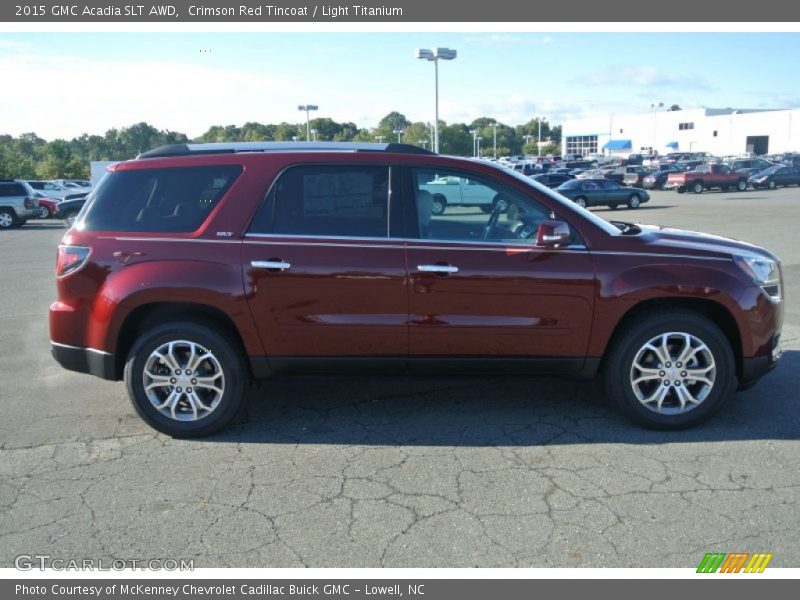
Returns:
point(29, 562)
point(734, 562)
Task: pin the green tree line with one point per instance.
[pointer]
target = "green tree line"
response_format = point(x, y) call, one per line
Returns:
point(29, 156)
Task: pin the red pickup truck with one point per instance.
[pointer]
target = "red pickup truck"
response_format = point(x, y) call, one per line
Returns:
point(705, 178)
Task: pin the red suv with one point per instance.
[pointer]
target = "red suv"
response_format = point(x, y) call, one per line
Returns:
point(196, 268)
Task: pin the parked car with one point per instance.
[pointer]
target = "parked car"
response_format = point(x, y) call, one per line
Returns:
point(189, 294)
point(686, 165)
point(551, 179)
point(775, 176)
point(17, 203)
point(47, 206)
point(656, 180)
point(83, 185)
point(597, 192)
point(52, 189)
point(68, 210)
point(750, 166)
point(634, 176)
point(705, 178)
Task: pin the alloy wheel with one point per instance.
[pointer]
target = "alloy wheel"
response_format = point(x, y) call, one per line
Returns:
point(673, 373)
point(183, 380)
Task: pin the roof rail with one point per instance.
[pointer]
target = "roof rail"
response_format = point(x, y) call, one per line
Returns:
point(236, 147)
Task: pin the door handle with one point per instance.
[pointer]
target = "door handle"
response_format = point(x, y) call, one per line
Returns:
point(272, 265)
point(441, 269)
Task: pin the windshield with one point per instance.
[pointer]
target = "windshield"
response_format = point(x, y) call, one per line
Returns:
point(565, 203)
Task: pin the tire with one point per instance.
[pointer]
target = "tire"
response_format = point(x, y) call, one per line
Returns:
point(613, 206)
point(580, 201)
point(680, 189)
point(741, 185)
point(634, 201)
point(69, 218)
point(8, 218)
point(439, 204)
point(697, 187)
point(224, 370)
point(772, 185)
point(44, 213)
point(630, 349)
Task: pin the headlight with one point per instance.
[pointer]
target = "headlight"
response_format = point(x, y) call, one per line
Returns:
point(764, 272)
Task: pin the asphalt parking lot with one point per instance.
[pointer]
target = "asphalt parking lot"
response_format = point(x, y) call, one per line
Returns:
point(399, 472)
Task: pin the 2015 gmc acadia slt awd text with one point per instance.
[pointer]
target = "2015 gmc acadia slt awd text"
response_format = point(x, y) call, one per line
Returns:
point(196, 268)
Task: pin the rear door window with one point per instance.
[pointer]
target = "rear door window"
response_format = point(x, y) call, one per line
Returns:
point(174, 200)
point(327, 201)
point(8, 190)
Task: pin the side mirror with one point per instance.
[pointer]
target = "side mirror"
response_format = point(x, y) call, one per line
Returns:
point(553, 233)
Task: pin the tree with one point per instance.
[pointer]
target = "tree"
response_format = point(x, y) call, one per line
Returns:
point(394, 120)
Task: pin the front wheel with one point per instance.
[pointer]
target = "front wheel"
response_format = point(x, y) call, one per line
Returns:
point(680, 189)
point(70, 217)
point(580, 201)
point(772, 185)
point(697, 187)
point(741, 185)
point(185, 379)
point(634, 201)
point(670, 370)
point(439, 204)
point(44, 213)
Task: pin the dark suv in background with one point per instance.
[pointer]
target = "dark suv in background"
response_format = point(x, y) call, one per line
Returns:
point(196, 268)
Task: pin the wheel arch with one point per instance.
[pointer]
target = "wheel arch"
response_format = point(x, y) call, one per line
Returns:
point(716, 312)
point(152, 314)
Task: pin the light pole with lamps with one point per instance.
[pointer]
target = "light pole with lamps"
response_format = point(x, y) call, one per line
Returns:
point(478, 151)
point(308, 108)
point(314, 135)
point(474, 133)
point(424, 143)
point(434, 56)
point(399, 133)
point(655, 106)
point(494, 125)
point(380, 138)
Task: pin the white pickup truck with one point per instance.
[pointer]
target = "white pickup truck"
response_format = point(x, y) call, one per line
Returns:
point(459, 191)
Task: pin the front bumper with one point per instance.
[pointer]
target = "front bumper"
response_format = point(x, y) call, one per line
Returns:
point(85, 360)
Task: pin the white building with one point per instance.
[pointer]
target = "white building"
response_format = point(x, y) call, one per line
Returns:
point(720, 131)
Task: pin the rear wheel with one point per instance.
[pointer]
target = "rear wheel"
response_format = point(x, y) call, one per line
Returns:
point(7, 218)
point(697, 187)
point(680, 189)
point(741, 185)
point(670, 370)
point(634, 201)
point(44, 213)
point(185, 379)
point(439, 204)
point(580, 201)
point(613, 206)
point(772, 185)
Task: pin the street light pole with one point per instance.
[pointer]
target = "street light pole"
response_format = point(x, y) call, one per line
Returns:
point(380, 138)
point(478, 153)
point(474, 133)
point(399, 133)
point(495, 138)
point(539, 136)
point(434, 56)
point(307, 108)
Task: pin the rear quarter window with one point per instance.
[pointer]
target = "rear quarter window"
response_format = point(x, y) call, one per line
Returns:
point(8, 190)
point(174, 200)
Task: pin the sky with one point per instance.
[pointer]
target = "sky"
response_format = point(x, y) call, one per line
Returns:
point(73, 83)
